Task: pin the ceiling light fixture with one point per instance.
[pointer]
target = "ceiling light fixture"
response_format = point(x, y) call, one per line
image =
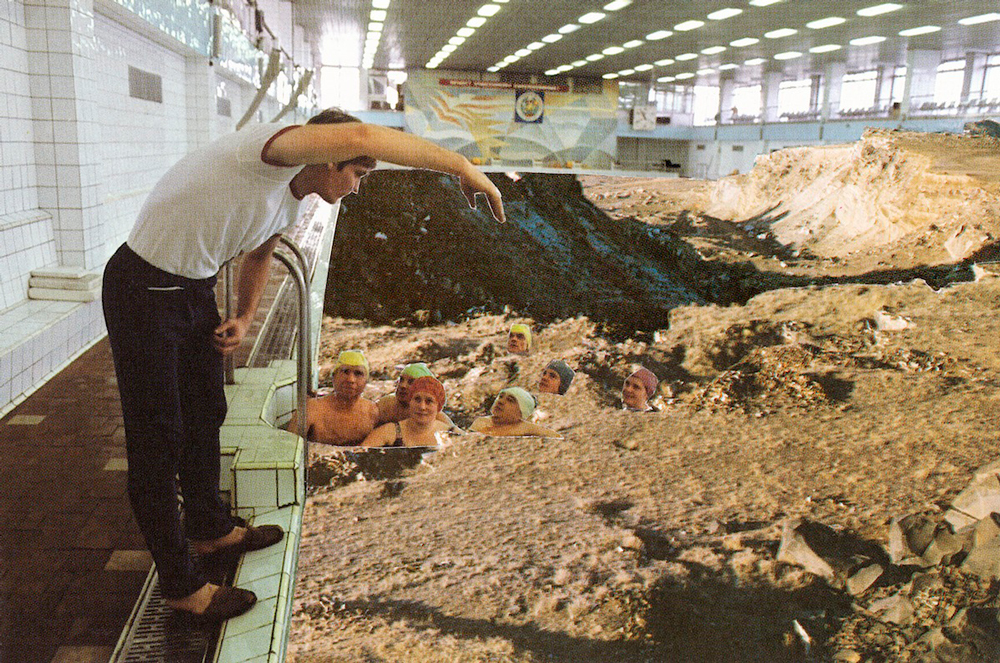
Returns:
point(564, 67)
point(522, 53)
point(727, 66)
point(745, 41)
point(626, 72)
point(615, 5)
point(781, 32)
point(465, 32)
point(723, 14)
point(658, 35)
point(592, 17)
point(922, 30)
point(613, 50)
point(579, 63)
point(665, 62)
point(686, 56)
point(828, 22)
point(752, 62)
point(763, 3)
point(876, 10)
point(713, 50)
point(377, 15)
point(666, 79)
point(568, 28)
point(982, 18)
point(380, 4)
point(825, 48)
point(551, 39)
point(594, 57)
point(535, 45)
point(488, 10)
point(476, 22)
point(643, 67)
point(448, 48)
point(867, 41)
point(688, 25)
point(458, 41)
point(686, 75)
point(705, 72)
point(548, 72)
point(610, 76)
point(633, 43)
point(787, 55)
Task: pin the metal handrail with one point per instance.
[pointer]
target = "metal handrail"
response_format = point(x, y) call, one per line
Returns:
point(304, 377)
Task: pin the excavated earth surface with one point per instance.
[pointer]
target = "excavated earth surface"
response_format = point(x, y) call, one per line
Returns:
point(805, 377)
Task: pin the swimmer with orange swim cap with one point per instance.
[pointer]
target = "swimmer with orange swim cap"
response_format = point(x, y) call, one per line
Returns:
point(422, 427)
point(395, 407)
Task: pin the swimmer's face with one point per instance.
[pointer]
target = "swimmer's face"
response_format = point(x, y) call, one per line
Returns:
point(403, 388)
point(517, 342)
point(339, 183)
point(550, 382)
point(423, 407)
point(506, 409)
point(349, 381)
point(634, 394)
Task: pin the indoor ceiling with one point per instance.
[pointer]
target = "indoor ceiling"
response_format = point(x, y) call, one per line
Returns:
point(539, 37)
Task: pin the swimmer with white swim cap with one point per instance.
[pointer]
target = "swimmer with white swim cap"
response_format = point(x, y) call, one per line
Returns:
point(509, 416)
point(342, 417)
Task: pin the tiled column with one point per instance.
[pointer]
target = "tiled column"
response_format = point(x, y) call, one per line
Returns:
point(769, 95)
point(833, 82)
point(921, 71)
point(199, 92)
point(61, 55)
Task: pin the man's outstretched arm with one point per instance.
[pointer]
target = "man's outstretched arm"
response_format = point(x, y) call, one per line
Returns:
point(333, 143)
point(254, 270)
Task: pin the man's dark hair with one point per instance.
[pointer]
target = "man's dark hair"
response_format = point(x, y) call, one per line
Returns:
point(337, 116)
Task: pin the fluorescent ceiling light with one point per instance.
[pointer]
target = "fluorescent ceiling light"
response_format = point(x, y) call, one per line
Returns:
point(658, 35)
point(568, 28)
point(875, 10)
point(763, 3)
point(377, 15)
point(613, 50)
point(685, 76)
point(551, 39)
point(432, 65)
point(488, 10)
point(982, 18)
point(458, 41)
point(476, 22)
point(563, 67)
point(448, 48)
point(643, 67)
point(609, 76)
point(579, 63)
point(375, 27)
point(665, 62)
point(633, 43)
point(549, 72)
point(495, 69)
point(686, 56)
point(922, 30)
point(592, 17)
point(730, 65)
point(779, 33)
point(828, 22)
point(787, 55)
point(615, 5)
point(745, 41)
point(522, 53)
point(626, 72)
point(867, 41)
point(688, 25)
point(594, 57)
point(666, 79)
point(712, 50)
point(511, 58)
point(705, 72)
point(825, 48)
point(535, 45)
point(465, 32)
point(752, 62)
point(380, 4)
point(723, 14)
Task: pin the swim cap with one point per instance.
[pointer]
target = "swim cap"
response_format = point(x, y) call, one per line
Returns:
point(565, 374)
point(648, 379)
point(522, 329)
point(417, 370)
point(524, 399)
point(429, 385)
point(351, 358)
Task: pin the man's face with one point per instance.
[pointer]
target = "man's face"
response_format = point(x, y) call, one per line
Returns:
point(423, 407)
point(517, 342)
point(349, 381)
point(549, 382)
point(339, 183)
point(634, 393)
point(506, 409)
point(403, 388)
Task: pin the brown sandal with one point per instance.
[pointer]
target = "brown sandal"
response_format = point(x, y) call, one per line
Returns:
point(255, 539)
point(226, 603)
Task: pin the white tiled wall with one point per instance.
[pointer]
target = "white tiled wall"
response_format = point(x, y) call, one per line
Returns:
point(26, 238)
point(17, 173)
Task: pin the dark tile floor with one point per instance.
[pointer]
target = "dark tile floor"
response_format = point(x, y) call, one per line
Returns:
point(71, 557)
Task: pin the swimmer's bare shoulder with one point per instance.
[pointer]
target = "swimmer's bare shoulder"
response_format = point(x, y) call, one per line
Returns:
point(480, 424)
point(387, 408)
point(382, 436)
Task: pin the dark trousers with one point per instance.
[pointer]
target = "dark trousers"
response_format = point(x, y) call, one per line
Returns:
point(170, 378)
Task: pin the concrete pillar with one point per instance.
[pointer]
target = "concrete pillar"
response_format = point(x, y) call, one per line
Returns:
point(975, 74)
point(921, 70)
point(66, 131)
point(726, 87)
point(833, 82)
point(769, 95)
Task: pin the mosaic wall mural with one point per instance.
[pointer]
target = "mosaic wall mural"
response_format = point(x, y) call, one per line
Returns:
point(495, 122)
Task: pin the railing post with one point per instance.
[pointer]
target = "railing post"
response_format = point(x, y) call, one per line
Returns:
point(304, 377)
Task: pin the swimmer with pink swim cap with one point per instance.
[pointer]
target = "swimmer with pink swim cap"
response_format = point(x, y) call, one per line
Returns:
point(638, 389)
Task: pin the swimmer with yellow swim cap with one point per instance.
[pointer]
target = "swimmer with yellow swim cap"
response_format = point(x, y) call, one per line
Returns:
point(342, 417)
point(396, 407)
point(508, 416)
point(519, 339)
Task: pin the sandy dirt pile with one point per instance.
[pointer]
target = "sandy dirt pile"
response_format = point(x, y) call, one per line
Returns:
point(811, 423)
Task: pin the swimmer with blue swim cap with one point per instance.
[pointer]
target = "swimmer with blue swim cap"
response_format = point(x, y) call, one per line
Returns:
point(509, 416)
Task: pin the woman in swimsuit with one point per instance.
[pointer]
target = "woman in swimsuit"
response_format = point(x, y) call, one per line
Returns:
point(421, 428)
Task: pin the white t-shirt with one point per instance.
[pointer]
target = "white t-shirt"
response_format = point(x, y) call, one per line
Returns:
point(214, 204)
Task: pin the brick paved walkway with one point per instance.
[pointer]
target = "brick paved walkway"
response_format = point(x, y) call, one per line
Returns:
point(71, 556)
